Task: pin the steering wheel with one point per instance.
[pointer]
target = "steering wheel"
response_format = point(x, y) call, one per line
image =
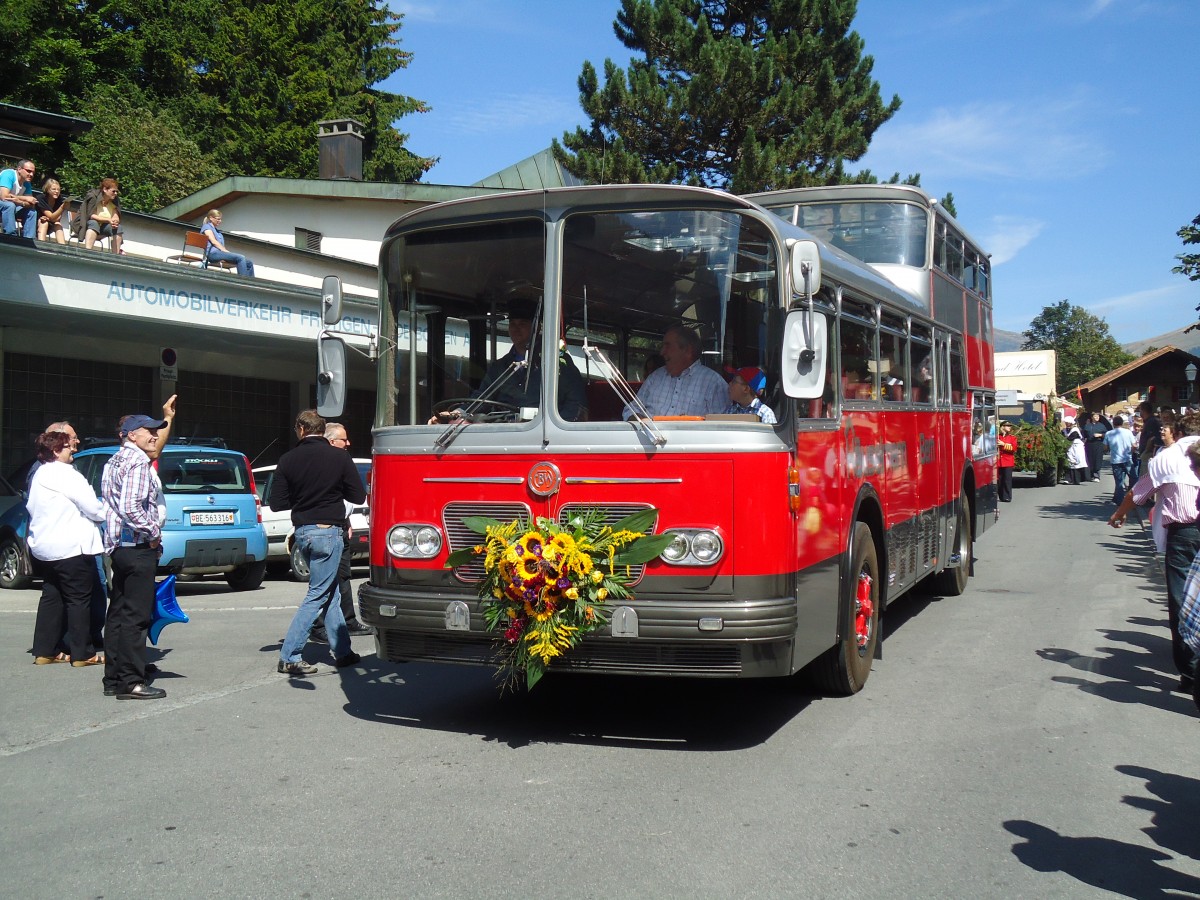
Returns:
point(485, 410)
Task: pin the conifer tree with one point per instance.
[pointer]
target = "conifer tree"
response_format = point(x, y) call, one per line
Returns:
point(746, 96)
point(248, 79)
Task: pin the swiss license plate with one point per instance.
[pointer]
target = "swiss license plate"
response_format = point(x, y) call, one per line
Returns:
point(211, 518)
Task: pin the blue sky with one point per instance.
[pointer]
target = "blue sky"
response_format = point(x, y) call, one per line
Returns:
point(1067, 130)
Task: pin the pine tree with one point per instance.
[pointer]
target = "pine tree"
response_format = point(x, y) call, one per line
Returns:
point(746, 96)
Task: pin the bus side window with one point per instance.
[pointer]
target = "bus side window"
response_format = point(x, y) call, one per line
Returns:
point(857, 359)
point(892, 374)
point(922, 357)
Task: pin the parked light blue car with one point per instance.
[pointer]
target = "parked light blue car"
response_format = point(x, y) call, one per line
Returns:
point(214, 520)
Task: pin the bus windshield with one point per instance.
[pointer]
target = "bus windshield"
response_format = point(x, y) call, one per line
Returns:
point(472, 318)
point(873, 231)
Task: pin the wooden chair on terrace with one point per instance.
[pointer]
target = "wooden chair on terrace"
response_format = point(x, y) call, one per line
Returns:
point(195, 245)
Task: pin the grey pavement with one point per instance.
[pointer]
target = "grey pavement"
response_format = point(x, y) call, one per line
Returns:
point(1022, 740)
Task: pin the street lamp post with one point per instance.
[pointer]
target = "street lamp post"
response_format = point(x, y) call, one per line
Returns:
point(1190, 372)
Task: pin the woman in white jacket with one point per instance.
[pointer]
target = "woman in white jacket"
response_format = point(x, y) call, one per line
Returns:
point(63, 512)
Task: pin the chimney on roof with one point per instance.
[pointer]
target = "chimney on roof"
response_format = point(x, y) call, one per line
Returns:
point(341, 145)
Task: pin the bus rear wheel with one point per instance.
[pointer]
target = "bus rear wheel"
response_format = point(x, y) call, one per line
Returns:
point(844, 668)
point(951, 582)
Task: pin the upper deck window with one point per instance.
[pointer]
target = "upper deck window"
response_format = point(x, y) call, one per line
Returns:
point(873, 231)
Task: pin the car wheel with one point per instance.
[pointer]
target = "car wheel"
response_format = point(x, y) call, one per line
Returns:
point(299, 564)
point(13, 568)
point(247, 577)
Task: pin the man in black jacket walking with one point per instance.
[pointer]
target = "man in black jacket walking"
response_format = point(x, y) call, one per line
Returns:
point(314, 481)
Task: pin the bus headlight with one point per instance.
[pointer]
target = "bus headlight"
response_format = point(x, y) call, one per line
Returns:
point(677, 550)
point(414, 541)
point(693, 547)
point(706, 546)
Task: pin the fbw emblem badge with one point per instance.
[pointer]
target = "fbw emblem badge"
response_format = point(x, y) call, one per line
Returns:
point(544, 479)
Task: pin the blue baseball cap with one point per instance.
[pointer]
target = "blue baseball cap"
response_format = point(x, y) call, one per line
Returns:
point(136, 421)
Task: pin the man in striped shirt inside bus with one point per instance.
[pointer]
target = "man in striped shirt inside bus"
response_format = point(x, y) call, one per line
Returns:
point(1170, 477)
point(684, 385)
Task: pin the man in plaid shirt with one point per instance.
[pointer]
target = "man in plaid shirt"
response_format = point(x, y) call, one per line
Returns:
point(135, 512)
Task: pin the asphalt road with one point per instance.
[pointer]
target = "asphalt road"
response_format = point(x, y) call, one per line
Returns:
point(1022, 740)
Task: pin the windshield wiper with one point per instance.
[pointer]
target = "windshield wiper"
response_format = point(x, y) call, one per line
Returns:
point(642, 420)
point(466, 415)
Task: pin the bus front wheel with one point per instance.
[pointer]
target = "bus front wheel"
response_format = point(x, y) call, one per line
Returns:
point(844, 668)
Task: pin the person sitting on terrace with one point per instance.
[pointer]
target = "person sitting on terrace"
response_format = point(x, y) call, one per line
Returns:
point(100, 216)
point(50, 210)
point(216, 251)
point(17, 203)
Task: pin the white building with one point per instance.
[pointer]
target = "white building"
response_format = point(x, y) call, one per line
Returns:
point(89, 336)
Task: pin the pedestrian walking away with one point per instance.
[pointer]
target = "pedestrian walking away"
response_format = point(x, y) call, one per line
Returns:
point(315, 480)
point(1120, 454)
point(335, 433)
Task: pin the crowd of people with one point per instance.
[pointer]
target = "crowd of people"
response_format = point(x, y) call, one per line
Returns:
point(47, 216)
point(72, 532)
point(1160, 468)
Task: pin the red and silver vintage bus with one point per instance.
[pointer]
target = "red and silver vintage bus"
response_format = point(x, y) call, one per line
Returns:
point(790, 537)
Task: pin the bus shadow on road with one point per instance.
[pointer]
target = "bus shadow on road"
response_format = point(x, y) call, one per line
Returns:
point(647, 713)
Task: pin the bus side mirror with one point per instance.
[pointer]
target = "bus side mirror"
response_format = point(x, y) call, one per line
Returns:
point(331, 300)
point(806, 268)
point(805, 348)
point(331, 376)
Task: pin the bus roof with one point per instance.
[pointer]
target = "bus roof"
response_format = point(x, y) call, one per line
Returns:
point(842, 267)
point(902, 193)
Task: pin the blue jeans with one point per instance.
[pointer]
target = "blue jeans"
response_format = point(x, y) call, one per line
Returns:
point(1124, 478)
point(322, 548)
point(10, 213)
point(244, 266)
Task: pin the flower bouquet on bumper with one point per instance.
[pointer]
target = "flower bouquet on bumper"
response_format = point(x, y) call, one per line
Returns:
point(545, 585)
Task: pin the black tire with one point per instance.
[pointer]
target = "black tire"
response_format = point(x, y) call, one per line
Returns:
point(14, 566)
point(299, 563)
point(952, 582)
point(247, 577)
point(844, 668)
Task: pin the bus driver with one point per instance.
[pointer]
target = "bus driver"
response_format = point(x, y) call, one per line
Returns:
point(684, 386)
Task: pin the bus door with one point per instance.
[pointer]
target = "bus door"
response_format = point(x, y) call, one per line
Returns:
point(949, 473)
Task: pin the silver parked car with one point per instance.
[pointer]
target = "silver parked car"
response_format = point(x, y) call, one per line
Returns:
point(281, 549)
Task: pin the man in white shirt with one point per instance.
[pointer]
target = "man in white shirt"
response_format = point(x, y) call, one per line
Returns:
point(683, 386)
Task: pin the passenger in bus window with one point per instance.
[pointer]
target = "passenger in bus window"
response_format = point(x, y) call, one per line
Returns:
point(652, 362)
point(684, 386)
point(746, 388)
point(523, 388)
point(923, 382)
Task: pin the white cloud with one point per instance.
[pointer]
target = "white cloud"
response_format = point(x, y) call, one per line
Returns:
point(500, 113)
point(1007, 235)
point(1035, 140)
point(1151, 298)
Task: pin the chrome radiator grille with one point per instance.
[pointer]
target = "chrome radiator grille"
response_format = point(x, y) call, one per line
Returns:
point(460, 536)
